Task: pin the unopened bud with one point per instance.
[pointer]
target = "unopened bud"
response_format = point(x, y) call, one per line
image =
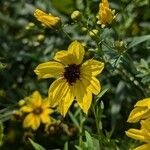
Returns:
point(93, 33)
point(21, 102)
point(30, 26)
point(120, 46)
point(40, 37)
point(76, 15)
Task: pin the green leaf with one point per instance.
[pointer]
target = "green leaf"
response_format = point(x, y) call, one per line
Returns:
point(74, 120)
point(101, 94)
point(36, 145)
point(89, 141)
point(64, 6)
point(1, 133)
point(138, 40)
point(66, 146)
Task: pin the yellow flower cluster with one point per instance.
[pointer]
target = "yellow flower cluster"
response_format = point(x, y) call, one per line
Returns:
point(141, 113)
point(36, 111)
point(47, 19)
point(105, 15)
point(75, 80)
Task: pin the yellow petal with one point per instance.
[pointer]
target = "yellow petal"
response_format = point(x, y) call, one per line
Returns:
point(32, 121)
point(105, 3)
point(143, 103)
point(57, 91)
point(138, 113)
point(26, 109)
point(145, 125)
point(92, 67)
point(49, 69)
point(138, 135)
point(45, 103)
point(86, 102)
point(92, 84)
point(36, 99)
point(64, 57)
point(143, 147)
point(65, 103)
point(95, 86)
point(83, 96)
point(77, 50)
point(79, 90)
point(47, 19)
point(45, 118)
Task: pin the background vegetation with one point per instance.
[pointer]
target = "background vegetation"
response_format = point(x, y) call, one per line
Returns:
point(24, 43)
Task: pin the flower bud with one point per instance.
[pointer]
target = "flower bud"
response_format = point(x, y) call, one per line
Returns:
point(76, 15)
point(120, 46)
point(40, 37)
point(93, 33)
point(30, 26)
point(21, 102)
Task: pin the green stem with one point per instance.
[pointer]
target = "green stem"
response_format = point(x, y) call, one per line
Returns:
point(66, 34)
point(81, 129)
point(97, 120)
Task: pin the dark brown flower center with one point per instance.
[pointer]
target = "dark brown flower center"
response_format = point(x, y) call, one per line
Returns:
point(72, 73)
point(37, 111)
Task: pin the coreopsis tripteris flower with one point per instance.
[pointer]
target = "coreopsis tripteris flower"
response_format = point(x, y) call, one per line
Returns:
point(47, 19)
point(141, 111)
point(75, 78)
point(105, 14)
point(37, 111)
point(142, 134)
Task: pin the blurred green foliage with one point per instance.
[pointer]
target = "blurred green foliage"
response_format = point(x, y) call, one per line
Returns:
point(25, 43)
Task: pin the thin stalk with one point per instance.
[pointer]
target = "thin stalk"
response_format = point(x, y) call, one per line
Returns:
point(81, 129)
point(97, 120)
point(66, 34)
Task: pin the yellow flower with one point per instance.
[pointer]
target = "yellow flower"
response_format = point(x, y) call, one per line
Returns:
point(37, 111)
point(47, 19)
point(105, 14)
point(75, 78)
point(143, 134)
point(141, 111)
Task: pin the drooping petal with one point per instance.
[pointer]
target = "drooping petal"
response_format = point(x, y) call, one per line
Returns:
point(79, 90)
point(77, 50)
point(138, 113)
point(49, 69)
point(92, 67)
point(143, 147)
point(83, 95)
point(66, 102)
point(57, 91)
point(86, 102)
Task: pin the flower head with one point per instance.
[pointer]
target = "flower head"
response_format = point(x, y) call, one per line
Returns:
point(141, 111)
point(75, 79)
point(47, 19)
point(37, 110)
point(105, 14)
point(142, 134)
